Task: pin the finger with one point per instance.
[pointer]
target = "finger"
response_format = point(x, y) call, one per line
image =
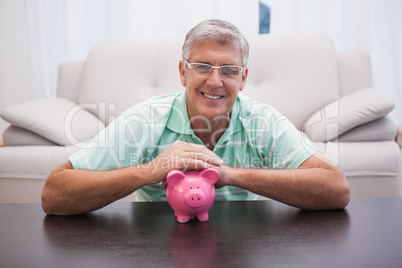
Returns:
point(176, 142)
point(193, 147)
point(209, 158)
point(195, 165)
point(190, 147)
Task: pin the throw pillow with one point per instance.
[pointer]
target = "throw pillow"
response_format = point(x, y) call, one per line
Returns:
point(383, 129)
point(15, 136)
point(58, 120)
point(349, 111)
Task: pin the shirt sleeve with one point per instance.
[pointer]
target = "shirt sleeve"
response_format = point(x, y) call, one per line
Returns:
point(291, 148)
point(280, 143)
point(120, 144)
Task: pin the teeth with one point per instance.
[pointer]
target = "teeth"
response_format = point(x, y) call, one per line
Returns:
point(212, 97)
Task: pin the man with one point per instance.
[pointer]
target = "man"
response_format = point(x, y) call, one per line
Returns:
point(254, 148)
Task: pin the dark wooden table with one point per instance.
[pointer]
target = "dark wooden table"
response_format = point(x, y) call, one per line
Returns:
point(368, 233)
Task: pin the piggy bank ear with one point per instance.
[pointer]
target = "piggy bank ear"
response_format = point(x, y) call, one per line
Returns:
point(174, 176)
point(211, 174)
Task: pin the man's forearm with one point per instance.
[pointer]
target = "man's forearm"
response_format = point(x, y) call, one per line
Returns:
point(305, 187)
point(72, 191)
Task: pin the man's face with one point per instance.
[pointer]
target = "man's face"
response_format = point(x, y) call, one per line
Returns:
point(212, 95)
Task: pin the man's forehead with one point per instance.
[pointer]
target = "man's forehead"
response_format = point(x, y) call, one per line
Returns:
point(211, 51)
point(212, 44)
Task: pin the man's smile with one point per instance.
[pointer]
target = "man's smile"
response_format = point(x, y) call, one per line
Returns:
point(211, 97)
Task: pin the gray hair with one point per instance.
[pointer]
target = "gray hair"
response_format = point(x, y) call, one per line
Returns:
point(216, 31)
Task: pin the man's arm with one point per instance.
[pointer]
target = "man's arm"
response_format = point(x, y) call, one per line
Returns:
point(316, 184)
point(70, 191)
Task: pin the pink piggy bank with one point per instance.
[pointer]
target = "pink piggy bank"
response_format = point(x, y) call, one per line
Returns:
point(191, 193)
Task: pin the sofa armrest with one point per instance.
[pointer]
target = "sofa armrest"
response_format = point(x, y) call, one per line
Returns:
point(69, 80)
point(398, 137)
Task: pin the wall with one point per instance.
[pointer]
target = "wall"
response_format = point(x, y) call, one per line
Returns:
point(14, 77)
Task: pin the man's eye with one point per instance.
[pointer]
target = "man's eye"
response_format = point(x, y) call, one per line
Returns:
point(230, 70)
point(202, 68)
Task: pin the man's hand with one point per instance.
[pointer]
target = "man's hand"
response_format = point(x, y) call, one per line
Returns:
point(183, 156)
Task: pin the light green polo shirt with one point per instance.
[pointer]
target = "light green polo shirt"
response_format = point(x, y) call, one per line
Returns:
point(258, 136)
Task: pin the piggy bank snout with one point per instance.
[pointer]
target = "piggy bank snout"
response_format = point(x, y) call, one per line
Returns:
point(195, 198)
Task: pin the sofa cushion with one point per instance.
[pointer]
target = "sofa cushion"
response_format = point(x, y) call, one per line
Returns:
point(32, 162)
point(69, 80)
point(351, 110)
point(118, 75)
point(295, 73)
point(359, 159)
point(16, 136)
point(382, 129)
point(56, 119)
point(354, 71)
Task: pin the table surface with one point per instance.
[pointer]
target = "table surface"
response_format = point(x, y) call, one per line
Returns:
point(368, 233)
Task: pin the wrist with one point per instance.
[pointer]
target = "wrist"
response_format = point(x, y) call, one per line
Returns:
point(226, 176)
point(144, 174)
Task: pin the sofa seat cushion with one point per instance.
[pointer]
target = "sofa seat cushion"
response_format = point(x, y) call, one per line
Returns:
point(349, 111)
point(32, 162)
point(363, 159)
point(58, 120)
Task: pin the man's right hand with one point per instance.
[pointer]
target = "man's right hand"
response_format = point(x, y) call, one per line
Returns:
point(183, 156)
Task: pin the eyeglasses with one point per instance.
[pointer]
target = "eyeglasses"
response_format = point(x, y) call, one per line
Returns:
point(203, 68)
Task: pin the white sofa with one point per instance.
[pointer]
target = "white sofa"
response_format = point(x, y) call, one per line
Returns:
point(325, 94)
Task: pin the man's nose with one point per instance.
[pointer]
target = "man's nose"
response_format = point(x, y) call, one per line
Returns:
point(214, 79)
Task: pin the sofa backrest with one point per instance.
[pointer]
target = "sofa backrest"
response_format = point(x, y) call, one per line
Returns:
point(295, 73)
point(69, 80)
point(118, 75)
point(354, 71)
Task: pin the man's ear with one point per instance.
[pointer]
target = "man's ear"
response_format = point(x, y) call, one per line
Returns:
point(210, 174)
point(174, 176)
point(182, 71)
point(244, 78)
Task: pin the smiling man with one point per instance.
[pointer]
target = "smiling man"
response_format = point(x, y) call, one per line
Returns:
point(255, 149)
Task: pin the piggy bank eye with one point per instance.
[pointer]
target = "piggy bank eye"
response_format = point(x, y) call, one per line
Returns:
point(191, 187)
point(198, 187)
